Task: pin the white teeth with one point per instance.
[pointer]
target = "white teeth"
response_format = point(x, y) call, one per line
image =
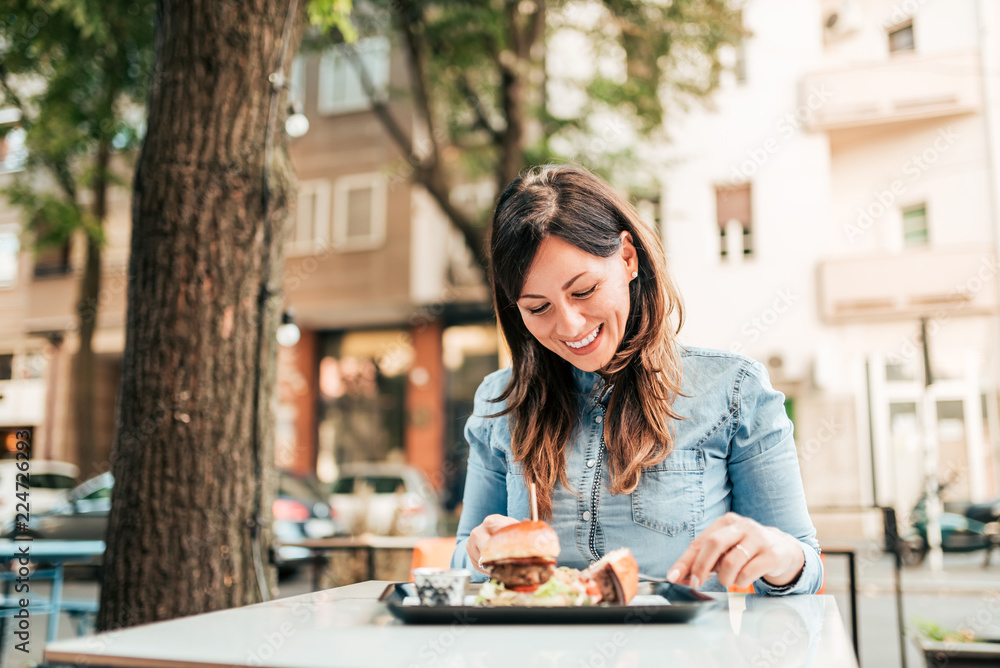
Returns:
point(585, 342)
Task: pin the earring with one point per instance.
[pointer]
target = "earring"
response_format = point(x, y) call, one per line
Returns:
point(635, 274)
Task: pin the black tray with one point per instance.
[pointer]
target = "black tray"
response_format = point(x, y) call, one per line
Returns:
point(685, 605)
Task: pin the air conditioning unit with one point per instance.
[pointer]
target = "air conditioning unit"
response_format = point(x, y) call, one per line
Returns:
point(844, 20)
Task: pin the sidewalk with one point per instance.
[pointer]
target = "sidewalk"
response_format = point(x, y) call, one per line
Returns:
point(965, 595)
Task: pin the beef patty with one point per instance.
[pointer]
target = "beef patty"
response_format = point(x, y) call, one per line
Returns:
point(522, 573)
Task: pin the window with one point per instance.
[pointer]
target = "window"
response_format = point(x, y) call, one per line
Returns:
point(340, 85)
point(344, 486)
point(359, 212)
point(52, 260)
point(297, 84)
point(12, 150)
point(733, 215)
point(915, 226)
point(901, 38)
point(311, 230)
point(10, 251)
point(98, 494)
point(385, 484)
point(52, 481)
point(6, 367)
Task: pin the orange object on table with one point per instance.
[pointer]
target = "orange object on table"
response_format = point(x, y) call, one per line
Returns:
point(432, 552)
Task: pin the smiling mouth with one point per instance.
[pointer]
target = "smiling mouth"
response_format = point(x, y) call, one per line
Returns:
point(585, 341)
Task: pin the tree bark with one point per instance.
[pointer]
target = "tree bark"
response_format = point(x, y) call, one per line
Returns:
point(84, 366)
point(194, 447)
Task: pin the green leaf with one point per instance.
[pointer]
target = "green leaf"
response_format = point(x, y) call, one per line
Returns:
point(80, 71)
point(326, 14)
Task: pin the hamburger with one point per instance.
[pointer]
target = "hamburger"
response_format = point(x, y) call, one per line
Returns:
point(522, 554)
point(521, 561)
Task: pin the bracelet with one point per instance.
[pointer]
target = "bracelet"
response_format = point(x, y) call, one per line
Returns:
point(795, 580)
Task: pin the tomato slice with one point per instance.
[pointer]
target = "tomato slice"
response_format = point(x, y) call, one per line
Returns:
point(593, 589)
point(526, 589)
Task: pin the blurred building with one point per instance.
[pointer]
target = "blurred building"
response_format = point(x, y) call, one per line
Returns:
point(843, 186)
point(393, 319)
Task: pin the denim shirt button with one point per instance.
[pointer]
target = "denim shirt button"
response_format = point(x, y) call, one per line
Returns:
point(599, 419)
point(590, 463)
point(586, 516)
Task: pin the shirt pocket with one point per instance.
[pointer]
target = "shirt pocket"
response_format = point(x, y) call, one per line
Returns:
point(670, 497)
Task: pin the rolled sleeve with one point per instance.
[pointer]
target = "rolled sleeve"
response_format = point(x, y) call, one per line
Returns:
point(764, 471)
point(485, 478)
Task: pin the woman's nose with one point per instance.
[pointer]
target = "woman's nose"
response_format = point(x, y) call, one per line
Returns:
point(570, 323)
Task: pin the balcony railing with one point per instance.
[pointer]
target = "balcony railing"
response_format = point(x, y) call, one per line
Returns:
point(907, 87)
point(913, 284)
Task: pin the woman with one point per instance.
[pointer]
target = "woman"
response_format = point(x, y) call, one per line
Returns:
point(683, 455)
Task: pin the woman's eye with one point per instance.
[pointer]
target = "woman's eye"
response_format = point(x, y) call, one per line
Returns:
point(538, 311)
point(586, 293)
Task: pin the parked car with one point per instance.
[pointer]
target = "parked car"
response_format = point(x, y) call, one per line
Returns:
point(384, 499)
point(300, 511)
point(49, 483)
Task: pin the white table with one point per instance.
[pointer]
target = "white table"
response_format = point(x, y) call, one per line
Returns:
point(347, 626)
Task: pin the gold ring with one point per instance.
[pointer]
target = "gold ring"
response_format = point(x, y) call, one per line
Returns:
point(743, 550)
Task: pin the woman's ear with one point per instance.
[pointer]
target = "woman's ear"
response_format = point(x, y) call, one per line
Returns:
point(628, 253)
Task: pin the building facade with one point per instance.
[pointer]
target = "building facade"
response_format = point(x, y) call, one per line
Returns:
point(843, 188)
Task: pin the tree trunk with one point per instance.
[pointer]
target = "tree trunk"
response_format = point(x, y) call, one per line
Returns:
point(194, 447)
point(84, 363)
point(84, 367)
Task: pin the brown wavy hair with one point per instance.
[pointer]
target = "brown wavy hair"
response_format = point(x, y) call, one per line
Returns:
point(644, 375)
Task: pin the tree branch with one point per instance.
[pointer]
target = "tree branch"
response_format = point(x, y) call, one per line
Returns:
point(409, 15)
point(512, 100)
point(428, 172)
point(380, 107)
point(476, 104)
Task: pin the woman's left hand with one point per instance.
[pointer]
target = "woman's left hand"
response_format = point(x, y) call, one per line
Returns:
point(741, 551)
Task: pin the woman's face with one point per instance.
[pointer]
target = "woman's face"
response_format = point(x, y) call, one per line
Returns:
point(576, 304)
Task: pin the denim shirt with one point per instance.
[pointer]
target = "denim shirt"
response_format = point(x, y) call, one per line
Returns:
point(734, 451)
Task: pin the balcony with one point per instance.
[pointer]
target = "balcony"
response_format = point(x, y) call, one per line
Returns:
point(907, 87)
point(914, 284)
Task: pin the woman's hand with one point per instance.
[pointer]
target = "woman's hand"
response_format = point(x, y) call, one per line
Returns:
point(741, 551)
point(482, 533)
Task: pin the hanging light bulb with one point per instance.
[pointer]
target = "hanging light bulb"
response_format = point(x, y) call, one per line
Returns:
point(288, 331)
point(296, 124)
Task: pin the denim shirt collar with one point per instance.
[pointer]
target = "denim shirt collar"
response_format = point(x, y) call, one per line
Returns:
point(590, 385)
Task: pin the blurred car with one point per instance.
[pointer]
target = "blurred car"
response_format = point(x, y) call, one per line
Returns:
point(49, 483)
point(300, 511)
point(84, 515)
point(384, 499)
